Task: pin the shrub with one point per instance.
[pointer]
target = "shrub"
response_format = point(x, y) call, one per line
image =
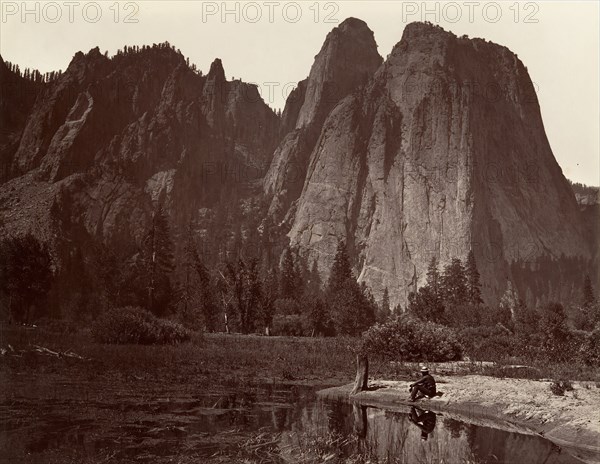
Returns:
point(59, 326)
point(589, 352)
point(409, 339)
point(291, 325)
point(171, 333)
point(132, 325)
point(464, 316)
point(286, 306)
point(560, 387)
point(488, 343)
point(496, 348)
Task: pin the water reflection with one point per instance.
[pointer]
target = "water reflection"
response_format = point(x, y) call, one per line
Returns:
point(356, 433)
point(281, 423)
point(425, 420)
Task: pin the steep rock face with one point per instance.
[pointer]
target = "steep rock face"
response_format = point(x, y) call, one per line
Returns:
point(17, 96)
point(111, 137)
point(442, 152)
point(348, 58)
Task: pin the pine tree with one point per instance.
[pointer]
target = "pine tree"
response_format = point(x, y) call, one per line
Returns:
point(454, 284)
point(208, 297)
point(253, 297)
point(318, 321)
point(384, 310)
point(110, 272)
point(302, 275)
point(433, 277)
point(385, 301)
point(26, 275)
point(269, 296)
point(155, 265)
point(368, 311)
point(78, 286)
point(526, 319)
point(245, 293)
point(289, 276)
point(345, 304)
point(426, 305)
point(188, 296)
point(555, 331)
point(341, 271)
point(197, 302)
point(473, 281)
point(313, 283)
point(235, 286)
point(588, 293)
point(352, 308)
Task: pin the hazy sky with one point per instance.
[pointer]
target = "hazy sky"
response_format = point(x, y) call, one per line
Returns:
point(276, 41)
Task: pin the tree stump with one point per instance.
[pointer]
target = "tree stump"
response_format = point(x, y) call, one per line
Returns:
point(361, 381)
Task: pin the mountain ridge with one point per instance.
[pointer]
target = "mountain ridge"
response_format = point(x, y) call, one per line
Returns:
point(437, 149)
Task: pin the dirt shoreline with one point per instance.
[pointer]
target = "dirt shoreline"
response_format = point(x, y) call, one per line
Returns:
point(516, 405)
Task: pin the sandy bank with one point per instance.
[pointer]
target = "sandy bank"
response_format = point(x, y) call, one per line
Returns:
point(526, 406)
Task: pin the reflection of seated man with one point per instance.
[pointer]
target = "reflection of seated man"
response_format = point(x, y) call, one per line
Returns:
point(424, 387)
point(425, 420)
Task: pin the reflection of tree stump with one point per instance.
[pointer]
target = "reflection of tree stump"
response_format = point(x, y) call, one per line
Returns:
point(360, 420)
point(362, 374)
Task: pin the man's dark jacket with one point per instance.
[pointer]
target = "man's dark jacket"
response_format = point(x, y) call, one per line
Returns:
point(428, 382)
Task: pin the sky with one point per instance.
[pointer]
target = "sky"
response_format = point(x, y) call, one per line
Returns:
point(273, 44)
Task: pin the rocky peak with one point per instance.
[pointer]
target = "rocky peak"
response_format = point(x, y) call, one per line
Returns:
point(427, 31)
point(85, 64)
point(444, 152)
point(216, 73)
point(347, 59)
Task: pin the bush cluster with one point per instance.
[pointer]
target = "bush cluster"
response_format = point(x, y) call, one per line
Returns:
point(133, 325)
point(497, 343)
point(589, 350)
point(289, 325)
point(409, 339)
point(560, 387)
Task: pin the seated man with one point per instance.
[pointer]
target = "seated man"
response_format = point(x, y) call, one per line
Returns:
point(424, 387)
point(425, 420)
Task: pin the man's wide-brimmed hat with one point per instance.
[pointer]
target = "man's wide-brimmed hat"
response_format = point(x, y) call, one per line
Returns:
point(424, 369)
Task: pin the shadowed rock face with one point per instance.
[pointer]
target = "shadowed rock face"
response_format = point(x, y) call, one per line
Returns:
point(17, 96)
point(443, 151)
point(110, 137)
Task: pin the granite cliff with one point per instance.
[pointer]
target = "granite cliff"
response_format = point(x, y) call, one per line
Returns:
point(442, 151)
point(346, 61)
point(99, 146)
point(437, 150)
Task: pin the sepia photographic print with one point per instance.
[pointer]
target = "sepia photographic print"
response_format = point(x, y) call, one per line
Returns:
point(277, 232)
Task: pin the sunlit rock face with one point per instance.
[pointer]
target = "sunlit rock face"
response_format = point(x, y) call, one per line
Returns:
point(346, 61)
point(441, 152)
